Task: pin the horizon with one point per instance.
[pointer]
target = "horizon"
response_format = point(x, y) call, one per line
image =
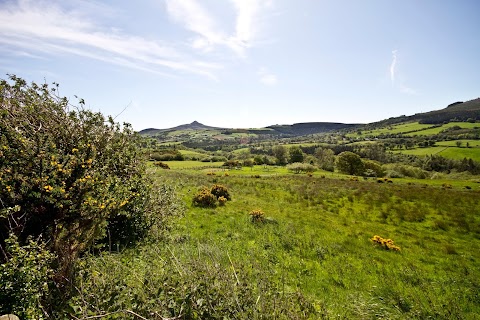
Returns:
point(246, 63)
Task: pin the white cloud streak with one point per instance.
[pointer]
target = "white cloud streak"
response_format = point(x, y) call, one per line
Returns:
point(42, 26)
point(393, 66)
point(400, 82)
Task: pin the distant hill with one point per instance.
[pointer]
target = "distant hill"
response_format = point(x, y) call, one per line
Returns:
point(195, 125)
point(296, 129)
point(457, 111)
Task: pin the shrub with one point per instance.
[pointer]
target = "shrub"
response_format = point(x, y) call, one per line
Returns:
point(219, 190)
point(25, 278)
point(373, 169)
point(257, 216)
point(162, 165)
point(298, 167)
point(204, 198)
point(66, 173)
point(167, 155)
point(231, 163)
point(222, 201)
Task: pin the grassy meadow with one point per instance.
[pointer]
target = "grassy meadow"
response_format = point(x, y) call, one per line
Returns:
point(313, 256)
point(446, 151)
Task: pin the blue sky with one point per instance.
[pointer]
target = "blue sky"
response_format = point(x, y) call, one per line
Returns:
point(247, 63)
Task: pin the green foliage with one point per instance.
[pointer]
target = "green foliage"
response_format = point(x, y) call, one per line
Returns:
point(66, 173)
point(280, 153)
point(295, 154)
point(25, 279)
point(232, 164)
point(301, 167)
point(373, 169)
point(350, 163)
point(167, 155)
point(325, 158)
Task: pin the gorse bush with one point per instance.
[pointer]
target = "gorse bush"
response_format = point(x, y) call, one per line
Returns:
point(385, 243)
point(66, 173)
point(208, 197)
point(257, 216)
point(204, 198)
point(219, 190)
point(222, 201)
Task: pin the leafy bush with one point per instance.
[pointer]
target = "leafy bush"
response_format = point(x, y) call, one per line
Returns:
point(231, 163)
point(66, 173)
point(167, 155)
point(25, 278)
point(298, 167)
point(204, 198)
point(373, 169)
point(219, 190)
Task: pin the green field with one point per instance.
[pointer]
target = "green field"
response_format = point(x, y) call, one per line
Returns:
point(413, 129)
point(320, 245)
point(453, 143)
point(446, 151)
point(437, 130)
point(192, 164)
point(314, 257)
point(394, 129)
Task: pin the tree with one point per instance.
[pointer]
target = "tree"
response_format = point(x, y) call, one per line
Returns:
point(325, 158)
point(280, 153)
point(295, 154)
point(350, 163)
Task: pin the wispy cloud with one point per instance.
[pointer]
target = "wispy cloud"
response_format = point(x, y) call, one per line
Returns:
point(209, 32)
point(45, 27)
point(267, 78)
point(393, 66)
point(195, 18)
point(398, 82)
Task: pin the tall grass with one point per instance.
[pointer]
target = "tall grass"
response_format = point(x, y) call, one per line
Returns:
point(312, 258)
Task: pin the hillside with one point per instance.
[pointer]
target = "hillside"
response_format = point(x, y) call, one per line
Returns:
point(458, 111)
